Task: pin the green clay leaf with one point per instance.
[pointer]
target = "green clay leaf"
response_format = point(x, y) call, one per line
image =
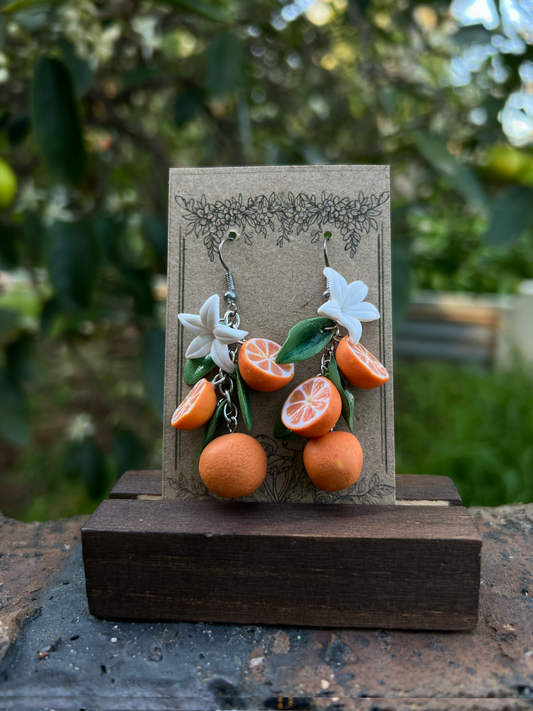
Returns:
point(211, 428)
point(348, 400)
point(282, 432)
point(244, 400)
point(196, 368)
point(305, 340)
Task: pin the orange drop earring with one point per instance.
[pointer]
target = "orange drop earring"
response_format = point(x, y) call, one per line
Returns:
point(333, 460)
point(232, 465)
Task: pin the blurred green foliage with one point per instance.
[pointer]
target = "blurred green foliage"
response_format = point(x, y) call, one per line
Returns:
point(99, 99)
point(472, 426)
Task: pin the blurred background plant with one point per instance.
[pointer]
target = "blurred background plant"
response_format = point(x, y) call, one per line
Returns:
point(99, 99)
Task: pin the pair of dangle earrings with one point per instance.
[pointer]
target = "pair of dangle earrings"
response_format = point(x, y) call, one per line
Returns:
point(235, 465)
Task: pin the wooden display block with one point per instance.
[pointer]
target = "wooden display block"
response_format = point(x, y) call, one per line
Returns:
point(413, 565)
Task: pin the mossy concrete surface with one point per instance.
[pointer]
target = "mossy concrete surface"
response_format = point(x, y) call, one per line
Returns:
point(65, 658)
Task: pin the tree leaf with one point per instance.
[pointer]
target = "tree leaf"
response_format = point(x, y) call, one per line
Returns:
point(401, 285)
point(9, 247)
point(21, 367)
point(9, 320)
point(462, 178)
point(347, 398)
point(224, 65)
point(56, 121)
point(188, 104)
point(82, 74)
point(244, 400)
point(84, 460)
point(13, 412)
point(201, 8)
point(156, 233)
point(282, 432)
point(109, 232)
point(73, 263)
point(138, 283)
point(17, 129)
point(197, 368)
point(19, 5)
point(153, 367)
point(211, 427)
point(305, 340)
point(128, 450)
point(511, 214)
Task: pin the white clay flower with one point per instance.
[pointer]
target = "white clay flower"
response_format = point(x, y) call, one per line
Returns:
point(212, 336)
point(346, 306)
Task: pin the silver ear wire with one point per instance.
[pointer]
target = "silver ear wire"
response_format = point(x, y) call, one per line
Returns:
point(327, 237)
point(230, 295)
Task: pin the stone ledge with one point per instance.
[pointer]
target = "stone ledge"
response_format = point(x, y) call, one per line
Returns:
point(65, 658)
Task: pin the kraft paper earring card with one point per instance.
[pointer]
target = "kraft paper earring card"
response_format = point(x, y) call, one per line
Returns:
point(282, 217)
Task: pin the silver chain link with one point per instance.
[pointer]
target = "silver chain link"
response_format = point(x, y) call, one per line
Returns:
point(329, 350)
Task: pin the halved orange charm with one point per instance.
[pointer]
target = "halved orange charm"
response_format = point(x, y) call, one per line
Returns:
point(197, 408)
point(258, 367)
point(359, 366)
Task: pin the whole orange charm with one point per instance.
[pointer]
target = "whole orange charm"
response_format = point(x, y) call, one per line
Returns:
point(334, 461)
point(233, 465)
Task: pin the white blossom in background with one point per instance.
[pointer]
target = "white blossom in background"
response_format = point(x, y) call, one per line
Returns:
point(212, 336)
point(146, 28)
point(80, 427)
point(346, 306)
point(78, 21)
point(56, 207)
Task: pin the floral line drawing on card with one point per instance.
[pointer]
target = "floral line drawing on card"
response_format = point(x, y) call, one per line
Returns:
point(364, 491)
point(283, 213)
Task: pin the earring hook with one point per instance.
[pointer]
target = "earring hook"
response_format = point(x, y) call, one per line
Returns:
point(230, 294)
point(327, 237)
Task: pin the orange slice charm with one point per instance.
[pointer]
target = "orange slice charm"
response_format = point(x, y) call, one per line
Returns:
point(313, 408)
point(197, 408)
point(359, 366)
point(258, 367)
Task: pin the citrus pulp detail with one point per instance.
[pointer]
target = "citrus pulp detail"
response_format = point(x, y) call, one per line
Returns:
point(197, 408)
point(258, 367)
point(359, 366)
point(313, 408)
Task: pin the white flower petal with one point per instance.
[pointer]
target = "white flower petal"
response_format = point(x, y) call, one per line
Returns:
point(355, 293)
point(353, 326)
point(364, 312)
point(210, 312)
point(200, 347)
point(226, 334)
point(330, 309)
point(193, 323)
point(220, 355)
point(337, 284)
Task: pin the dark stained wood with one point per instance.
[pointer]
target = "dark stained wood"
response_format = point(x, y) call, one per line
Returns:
point(410, 567)
point(409, 487)
point(138, 483)
point(426, 487)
